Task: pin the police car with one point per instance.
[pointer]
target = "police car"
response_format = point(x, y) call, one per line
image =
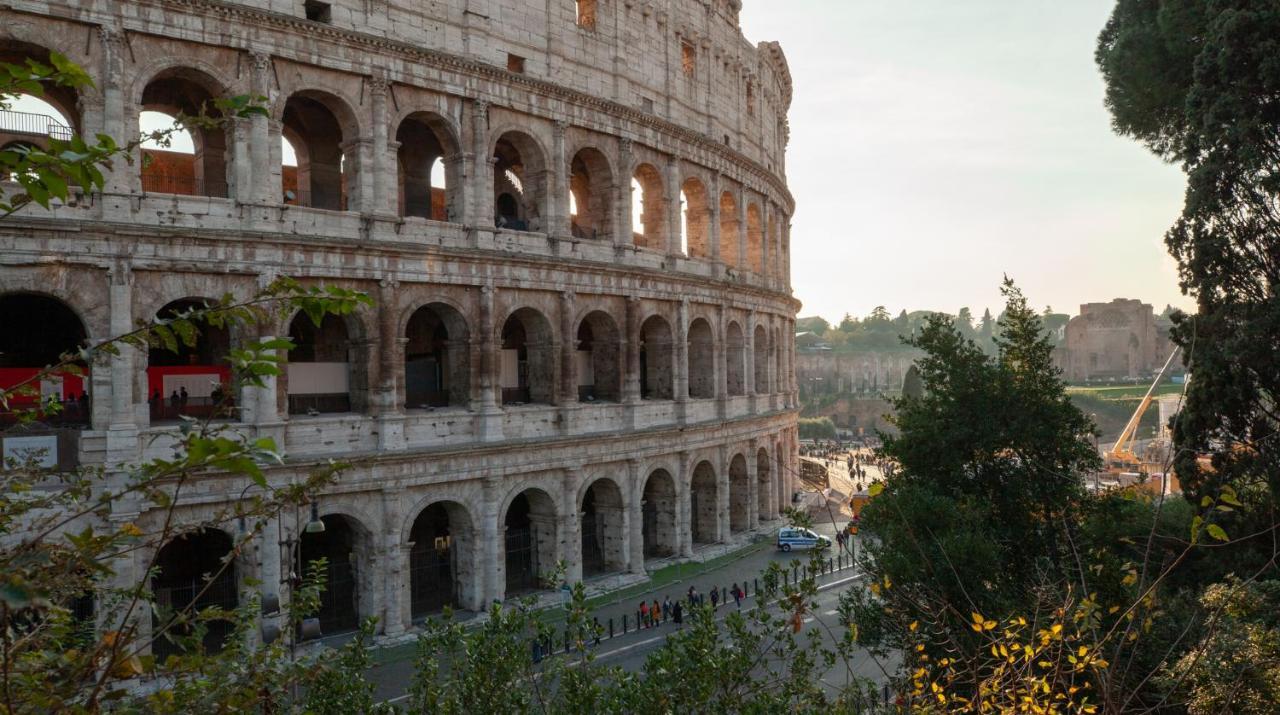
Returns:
point(791, 537)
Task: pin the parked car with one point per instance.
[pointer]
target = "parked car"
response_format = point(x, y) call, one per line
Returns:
point(796, 538)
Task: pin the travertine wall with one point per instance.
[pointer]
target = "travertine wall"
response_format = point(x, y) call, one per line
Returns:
point(594, 107)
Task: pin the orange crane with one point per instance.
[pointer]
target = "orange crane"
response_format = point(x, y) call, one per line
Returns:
point(1120, 458)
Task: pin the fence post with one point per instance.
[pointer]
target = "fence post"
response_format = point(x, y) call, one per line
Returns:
point(830, 567)
point(611, 628)
point(755, 583)
point(624, 624)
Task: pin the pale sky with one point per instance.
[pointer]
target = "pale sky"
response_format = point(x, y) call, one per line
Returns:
point(937, 144)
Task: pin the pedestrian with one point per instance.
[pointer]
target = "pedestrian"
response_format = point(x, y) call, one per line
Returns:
point(174, 400)
point(644, 614)
point(183, 394)
point(677, 614)
point(666, 606)
point(737, 596)
point(655, 612)
point(715, 598)
point(596, 628)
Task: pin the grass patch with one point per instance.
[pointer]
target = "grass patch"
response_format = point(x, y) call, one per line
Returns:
point(1121, 392)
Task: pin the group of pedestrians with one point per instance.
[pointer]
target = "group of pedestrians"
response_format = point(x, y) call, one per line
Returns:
point(653, 614)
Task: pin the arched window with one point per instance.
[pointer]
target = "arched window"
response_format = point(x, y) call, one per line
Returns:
point(735, 361)
point(531, 545)
point(192, 381)
point(729, 230)
point(315, 136)
point(696, 241)
point(430, 177)
point(648, 209)
point(519, 183)
point(194, 161)
point(598, 366)
point(528, 361)
point(324, 374)
point(590, 187)
point(657, 359)
point(702, 362)
point(436, 358)
point(38, 331)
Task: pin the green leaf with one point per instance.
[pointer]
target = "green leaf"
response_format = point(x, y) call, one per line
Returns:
point(1216, 532)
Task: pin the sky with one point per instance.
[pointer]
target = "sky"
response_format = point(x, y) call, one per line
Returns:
point(937, 145)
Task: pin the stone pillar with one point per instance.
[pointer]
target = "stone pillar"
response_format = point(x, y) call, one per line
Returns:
point(635, 517)
point(631, 383)
point(122, 429)
point(571, 526)
point(489, 414)
point(239, 132)
point(749, 346)
point(721, 353)
point(568, 346)
point(268, 546)
point(490, 542)
point(395, 576)
point(385, 199)
point(624, 232)
point(681, 345)
point(114, 122)
point(723, 530)
point(482, 211)
point(786, 253)
point(744, 261)
point(684, 506)
point(265, 177)
point(359, 174)
point(753, 484)
point(388, 312)
point(674, 222)
point(557, 208)
point(713, 223)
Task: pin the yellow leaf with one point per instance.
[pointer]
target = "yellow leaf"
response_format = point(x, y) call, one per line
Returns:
point(977, 618)
point(914, 625)
point(131, 529)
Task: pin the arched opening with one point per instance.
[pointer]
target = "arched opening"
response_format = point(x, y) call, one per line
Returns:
point(657, 359)
point(771, 238)
point(729, 230)
point(519, 183)
point(755, 240)
point(439, 559)
point(602, 529)
point(323, 375)
point(703, 504)
point(193, 572)
point(648, 208)
point(735, 361)
point(696, 241)
point(528, 359)
point(763, 478)
point(314, 134)
point(658, 515)
point(598, 359)
point(430, 176)
point(340, 600)
point(760, 360)
point(436, 358)
point(702, 360)
point(739, 495)
point(32, 119)
point(38, 331)
point(591, 187)
point(194, 380)
point(530, 525)
point(196, 160)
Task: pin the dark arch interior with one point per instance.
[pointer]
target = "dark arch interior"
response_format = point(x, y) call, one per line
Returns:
point(325, 385)
point(701, 358)
point(602, 526)
point(436, 361)
point(339, 602)
point(38, 330)
point(433, 561)
point(703, 504)
point(194, 380)
point(598, 370)
point(316, 135)
point(190, 574)
point(657, 360)
point(658, 515)
point(530, 541)
point(420, 149)
point(527, 360)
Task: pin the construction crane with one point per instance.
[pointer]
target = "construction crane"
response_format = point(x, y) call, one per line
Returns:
point(1121, 457)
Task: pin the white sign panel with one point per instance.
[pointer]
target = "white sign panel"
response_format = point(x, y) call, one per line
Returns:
point(43, 449)
point(586, 368)
point(197, 385)
point(318, 378)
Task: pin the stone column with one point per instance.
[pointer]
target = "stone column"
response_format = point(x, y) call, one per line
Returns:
point(239, 132)
point(723, 530)
point(114, 120)
point(571, 526)
point(268, 545)
point(713, 224)
point(721, 353)
point(624, 232)
point(396, 565)
point(744, 262)
point(490, 542)
point(557, 223)
point(635, 517)
point(489, 414)
point(749, 346)
point(674, 222)
point(684, 506)
point(265, 177)
point(122, 430)
point(786, 254)
point(385, 199)
point(631, 383)
point(753, 484)
point(681, 345)
point(388, 312)
point(481, 200)
point(359, 174)
point(568, 346)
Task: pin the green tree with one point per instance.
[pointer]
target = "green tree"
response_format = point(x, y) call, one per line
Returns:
point(964, 322)
point(1195, 82)
point(813, 324)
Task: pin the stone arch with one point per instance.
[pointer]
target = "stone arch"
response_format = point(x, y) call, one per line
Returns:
point(529, 524)
point(657, 359)
point(426, 138)
point(696, 203)
point(704, 512)
point(187, 88)
point(193, 571)
point(649, 216)
point(441, 558)
point(739, 495)
point(437, 362)
point(192, 381)
point(755, 240)
point(701, 360)
point(735, 360)
point(729, 230)
point(38, 330)
point(346, 544)
point(66, 100)
point(591, 186)
point(658, 507)
point(603, 526)
point(760, 360)
point(598, 365)
point(764, 477)
point(321, 128)
point(328, 366)
point(528, 359)
point(520, 179)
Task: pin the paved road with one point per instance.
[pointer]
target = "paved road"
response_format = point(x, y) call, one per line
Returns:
point(629, 651)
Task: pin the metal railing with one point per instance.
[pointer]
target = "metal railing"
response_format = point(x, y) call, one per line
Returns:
point(35, 124)
point(182, 184)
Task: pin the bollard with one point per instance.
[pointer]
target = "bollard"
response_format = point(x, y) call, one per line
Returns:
point(611, 628)
point(830, 568)
point(755, 585)
point(786, 579)
point(624, 624)
point(839, 562)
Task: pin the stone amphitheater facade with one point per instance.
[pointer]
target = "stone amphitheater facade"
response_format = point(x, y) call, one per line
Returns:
point(581, 348)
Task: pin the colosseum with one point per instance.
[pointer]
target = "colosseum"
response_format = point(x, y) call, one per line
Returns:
point(573, 217)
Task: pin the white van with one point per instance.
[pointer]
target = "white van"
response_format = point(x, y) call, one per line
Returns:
point(796, 538)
